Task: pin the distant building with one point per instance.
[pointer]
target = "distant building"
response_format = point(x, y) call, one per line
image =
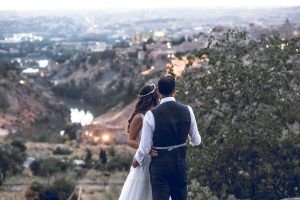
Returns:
point(13, 51)
point(3, 51)
point(78, 162)
point(141, 55)
point(97, 47)
point(28, 161)
point(159, 35)
point(287, 29)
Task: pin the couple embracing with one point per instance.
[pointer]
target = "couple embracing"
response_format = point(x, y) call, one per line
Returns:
point(159, 131)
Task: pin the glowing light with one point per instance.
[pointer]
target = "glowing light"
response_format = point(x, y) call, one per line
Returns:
point(81, 116)
point(22, 82)
point(169, 45)
point(159, 34)
point(3, 132)
point(43, 63)
point(30, 71)
point(19, 37)
point(148, 71)
point(96, 139)
point(283, 45)
point(62, 132)
point(105, 137)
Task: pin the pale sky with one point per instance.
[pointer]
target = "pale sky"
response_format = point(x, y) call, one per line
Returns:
point(136, 4)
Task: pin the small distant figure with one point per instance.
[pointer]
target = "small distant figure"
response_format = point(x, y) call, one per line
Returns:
point(88, 158)
point(102, 156)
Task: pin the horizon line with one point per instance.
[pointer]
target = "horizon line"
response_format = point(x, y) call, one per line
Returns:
point(153, 8)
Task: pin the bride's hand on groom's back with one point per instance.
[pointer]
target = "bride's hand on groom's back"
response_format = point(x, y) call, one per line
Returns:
point(153, 153)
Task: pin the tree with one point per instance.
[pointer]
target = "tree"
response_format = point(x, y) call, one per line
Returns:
point(62, 151)
point(71, 130)
point(60, 189)
point(4, 104)
point(197, 192)
point(6, 65)
point(48, 167)
point(11, 161)
point(248, 109)
point(88, 158)
point(103, 157)
point(19, 145)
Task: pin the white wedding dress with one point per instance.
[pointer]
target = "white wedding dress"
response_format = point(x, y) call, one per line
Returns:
point(137, 185)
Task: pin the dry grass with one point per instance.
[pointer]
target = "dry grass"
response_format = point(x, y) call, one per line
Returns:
point(96, 185)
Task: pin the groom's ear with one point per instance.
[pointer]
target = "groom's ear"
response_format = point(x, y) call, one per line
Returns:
point(174, 92)
point(159, 94)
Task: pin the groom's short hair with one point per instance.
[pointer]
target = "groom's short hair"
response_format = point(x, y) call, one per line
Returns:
point(166, 85)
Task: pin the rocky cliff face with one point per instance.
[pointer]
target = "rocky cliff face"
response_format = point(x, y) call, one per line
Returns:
point(24, 103)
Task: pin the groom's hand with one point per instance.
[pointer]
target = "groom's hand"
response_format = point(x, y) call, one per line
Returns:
point(134, 163)
point(153, 153)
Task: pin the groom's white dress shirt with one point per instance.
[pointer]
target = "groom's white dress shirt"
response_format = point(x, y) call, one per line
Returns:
point(146, 141)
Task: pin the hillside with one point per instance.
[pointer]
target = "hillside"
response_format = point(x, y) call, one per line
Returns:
point(115, 119)
point(24, 103)
point(115, 74)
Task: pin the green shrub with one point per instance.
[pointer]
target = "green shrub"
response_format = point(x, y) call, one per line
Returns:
point(11, 161)
point(60, 189)
point(17, 143)
point(119, 162)
point(196, 192)
point(4, 104)
point(62, 151)
point(88, 158)
point(49, 166)
point(111, 150)
point(6, 65)
point(247, 106)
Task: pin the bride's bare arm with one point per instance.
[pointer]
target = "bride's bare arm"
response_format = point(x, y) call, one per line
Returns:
point(135, 127)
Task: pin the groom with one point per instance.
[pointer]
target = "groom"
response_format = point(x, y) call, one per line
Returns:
point(166, 129)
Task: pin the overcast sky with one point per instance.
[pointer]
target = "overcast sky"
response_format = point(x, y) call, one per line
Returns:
point(136, 4)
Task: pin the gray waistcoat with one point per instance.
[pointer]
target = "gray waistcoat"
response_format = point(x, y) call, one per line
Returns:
point(172, 125)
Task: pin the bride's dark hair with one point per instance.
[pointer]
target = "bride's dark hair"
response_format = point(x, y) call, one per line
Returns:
point(147, 97)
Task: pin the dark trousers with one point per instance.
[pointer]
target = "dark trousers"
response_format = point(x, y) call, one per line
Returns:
point(169, 179)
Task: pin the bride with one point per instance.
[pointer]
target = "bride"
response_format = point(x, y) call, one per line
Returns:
point(137, 185)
